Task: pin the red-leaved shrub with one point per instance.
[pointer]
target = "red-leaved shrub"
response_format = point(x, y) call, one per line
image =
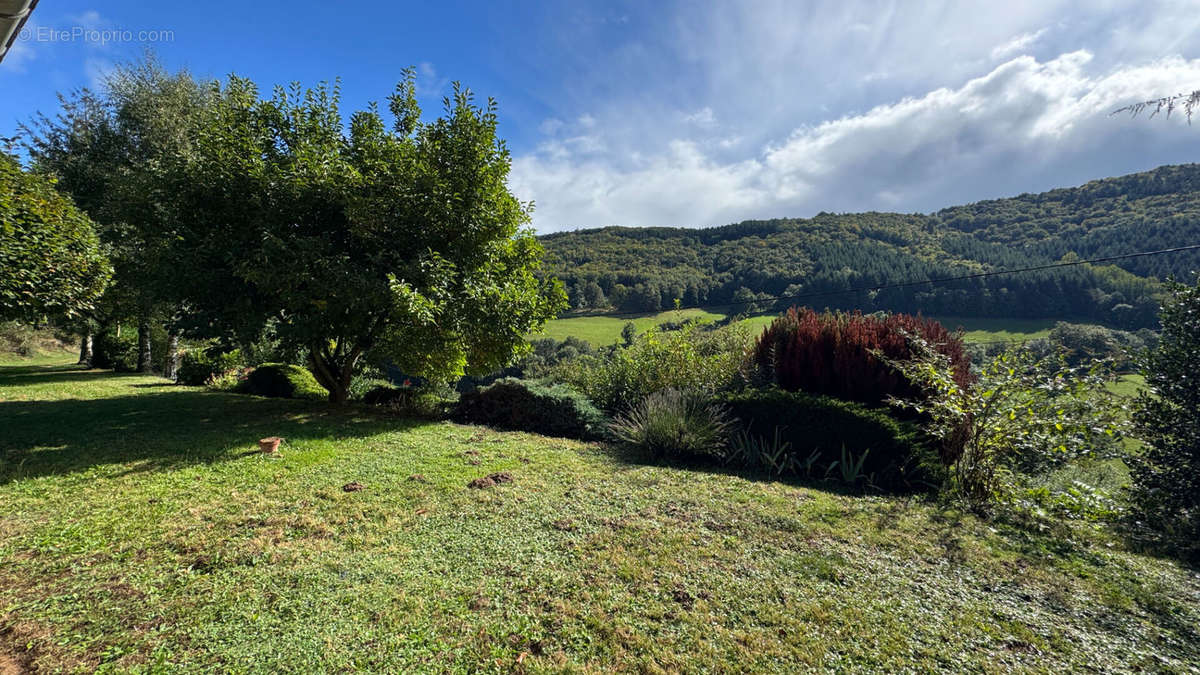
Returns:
point(833, 353)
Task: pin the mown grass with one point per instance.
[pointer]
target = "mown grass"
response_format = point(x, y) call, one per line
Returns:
point(140, 531)
point(601, 331)
point(999, 330)
point(605, 330)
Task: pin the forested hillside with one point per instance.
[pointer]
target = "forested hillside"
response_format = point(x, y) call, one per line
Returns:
point(647, 269)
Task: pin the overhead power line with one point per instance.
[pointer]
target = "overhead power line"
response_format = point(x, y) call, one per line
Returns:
point(923, 282)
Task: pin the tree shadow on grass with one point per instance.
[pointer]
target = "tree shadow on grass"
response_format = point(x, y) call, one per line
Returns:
point(164, 429)
point(21, 376)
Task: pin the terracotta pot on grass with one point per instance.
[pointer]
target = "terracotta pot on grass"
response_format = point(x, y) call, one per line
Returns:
point(269, 445)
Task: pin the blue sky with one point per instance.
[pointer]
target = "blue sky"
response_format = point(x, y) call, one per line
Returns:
point(703, 113)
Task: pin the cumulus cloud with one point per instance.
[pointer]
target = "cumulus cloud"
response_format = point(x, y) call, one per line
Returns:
point(1022, 125)
point(1017, 45)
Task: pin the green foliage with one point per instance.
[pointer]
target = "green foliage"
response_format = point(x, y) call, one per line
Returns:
point(50, 255)
point(114, 151)
point(284, 380)
point(686, 360)
point(807, 435)
point(430, 403)
point(198, 367)
point(1082, 344)
point(1024, 415)
point(520, 405)
point(1166, 477)
point(364, 383)
point(372, 242)
point(115, 353)
point(629, 334)
point(673, 424)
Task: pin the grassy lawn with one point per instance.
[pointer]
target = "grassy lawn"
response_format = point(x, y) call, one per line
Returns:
point(605, 330)
point(999, 330)
point(139, 530)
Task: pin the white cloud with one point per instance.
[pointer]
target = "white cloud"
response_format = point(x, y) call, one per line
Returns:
point(703, 118)
point(429, 84)
point(1017, 45)
point(1014, 128)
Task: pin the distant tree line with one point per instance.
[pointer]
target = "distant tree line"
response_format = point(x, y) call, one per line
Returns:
point(749, 264)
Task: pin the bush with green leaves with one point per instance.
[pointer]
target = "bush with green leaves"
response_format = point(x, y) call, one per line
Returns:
point(284, 380)
point(675, 424)
point(431, 403)
point(686, 360)
point(1023, 416)
point(117, 352)
point(814, 436)
point(1166, 476)
point(523, 405)
point(199, 367)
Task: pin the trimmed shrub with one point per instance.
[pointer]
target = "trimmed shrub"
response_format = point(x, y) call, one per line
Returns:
point(521, 405)
point(807, 432)
point(284, 380)
point(115, 353)
point(198, 367)
point(419, 402)
point(834, 353)
point(671, 423)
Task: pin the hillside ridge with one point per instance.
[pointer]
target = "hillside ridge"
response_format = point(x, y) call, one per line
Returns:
point(647, 269)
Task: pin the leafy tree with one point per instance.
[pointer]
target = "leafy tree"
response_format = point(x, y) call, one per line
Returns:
point(111, 150)
point(51, 262)
point(398, 244)
point(593, 295)
point(1166, 477)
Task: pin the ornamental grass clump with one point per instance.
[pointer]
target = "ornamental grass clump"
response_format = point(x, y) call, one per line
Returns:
point(674, 424)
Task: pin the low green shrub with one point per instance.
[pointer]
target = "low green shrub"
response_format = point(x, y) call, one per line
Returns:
point(1024, 416)
point(199, 367)
point(115, 353)
point(428, 403)
point(229, 380)
point(687, 360)
point(522, 405)
point(671, 423)
point(810, 435)
point(284, 380)
point(369, 379)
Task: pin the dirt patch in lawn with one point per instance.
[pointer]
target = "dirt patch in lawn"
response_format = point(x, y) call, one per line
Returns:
point(489, 481)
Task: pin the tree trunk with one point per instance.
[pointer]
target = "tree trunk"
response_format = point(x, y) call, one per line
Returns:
point(171, 366)
point(145, 361)
point(334, 376)
point(85, 349)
